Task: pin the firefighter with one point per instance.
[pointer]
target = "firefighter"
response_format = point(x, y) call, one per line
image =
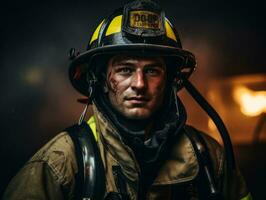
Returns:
point(137, 144)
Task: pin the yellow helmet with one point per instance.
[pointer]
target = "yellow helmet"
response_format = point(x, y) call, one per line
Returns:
point(140, 27)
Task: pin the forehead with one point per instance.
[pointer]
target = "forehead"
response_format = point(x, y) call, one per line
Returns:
point(136, 59)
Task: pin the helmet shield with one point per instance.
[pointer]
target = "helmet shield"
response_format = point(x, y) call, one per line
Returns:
point(143, 19)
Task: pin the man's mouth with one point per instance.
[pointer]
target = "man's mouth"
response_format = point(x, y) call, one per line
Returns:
point(137, 99)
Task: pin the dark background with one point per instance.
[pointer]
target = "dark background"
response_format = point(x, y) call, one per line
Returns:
point(37, 100)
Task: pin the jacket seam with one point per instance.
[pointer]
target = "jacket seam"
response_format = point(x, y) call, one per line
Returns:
point(51, 167)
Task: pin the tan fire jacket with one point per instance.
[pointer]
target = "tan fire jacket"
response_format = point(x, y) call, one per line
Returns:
point(50, 173)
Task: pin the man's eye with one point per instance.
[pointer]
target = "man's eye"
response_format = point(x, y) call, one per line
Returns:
point(152, 71)
point(124, 70)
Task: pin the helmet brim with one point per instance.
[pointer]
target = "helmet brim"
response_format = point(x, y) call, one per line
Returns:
point(94, 59)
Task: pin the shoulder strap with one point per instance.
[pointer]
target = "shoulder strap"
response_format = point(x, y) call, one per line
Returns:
point(205, 161)
point(90, 179)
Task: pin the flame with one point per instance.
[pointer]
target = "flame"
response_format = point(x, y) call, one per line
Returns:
point(211, 125)
point(214, 131)
point(252, 103)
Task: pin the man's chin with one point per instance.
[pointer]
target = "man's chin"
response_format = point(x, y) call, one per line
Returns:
point(137, 113)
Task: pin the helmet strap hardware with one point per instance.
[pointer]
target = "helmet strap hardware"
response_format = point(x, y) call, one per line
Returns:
point(90, 96)
point(83, 114)
point(92, 81)
point(175, 89)
point(72, 54)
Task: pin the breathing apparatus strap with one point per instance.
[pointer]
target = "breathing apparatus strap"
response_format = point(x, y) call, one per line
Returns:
point(228, 147)
point(229, 154)
point(205, 163)
point(90, 179)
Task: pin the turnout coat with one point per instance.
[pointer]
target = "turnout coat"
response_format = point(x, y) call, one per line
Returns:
point(51, 172)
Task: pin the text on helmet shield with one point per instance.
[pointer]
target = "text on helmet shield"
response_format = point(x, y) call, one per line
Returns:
point(144, 19)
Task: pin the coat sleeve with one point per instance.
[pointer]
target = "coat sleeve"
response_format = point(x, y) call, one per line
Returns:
point(35, 180)
point(49, 174)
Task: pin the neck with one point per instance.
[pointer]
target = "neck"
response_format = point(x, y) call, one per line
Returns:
point(136, 125)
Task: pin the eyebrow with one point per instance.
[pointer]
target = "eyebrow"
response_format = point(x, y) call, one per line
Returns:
point(123, 62)
point(156, 64)
point(129, 63)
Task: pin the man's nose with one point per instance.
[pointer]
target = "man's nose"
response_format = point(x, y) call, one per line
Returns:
point(138, 82)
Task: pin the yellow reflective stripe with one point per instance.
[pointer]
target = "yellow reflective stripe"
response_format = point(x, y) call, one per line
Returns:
point(169, 31)
point(92, 123)
point(114, 26)
point(248, 197)
point(96, 32)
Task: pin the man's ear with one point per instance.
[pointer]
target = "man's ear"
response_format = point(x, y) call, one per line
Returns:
point(105, 87)
point(104, 84)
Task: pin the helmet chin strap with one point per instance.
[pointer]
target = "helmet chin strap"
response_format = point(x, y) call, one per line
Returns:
point(92, 82)
point(83, 114)
point(174, 89)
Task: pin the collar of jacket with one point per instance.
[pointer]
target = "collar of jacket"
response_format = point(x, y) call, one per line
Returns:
point(182, 165)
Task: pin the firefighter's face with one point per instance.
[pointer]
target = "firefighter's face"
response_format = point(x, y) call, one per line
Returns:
point(136, 85)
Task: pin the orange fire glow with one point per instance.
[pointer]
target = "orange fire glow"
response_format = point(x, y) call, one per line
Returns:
point(252, 103)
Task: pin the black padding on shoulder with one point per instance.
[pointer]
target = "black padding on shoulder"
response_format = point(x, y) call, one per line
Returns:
point(206, 175)
point(90, 183)
point(73, 132)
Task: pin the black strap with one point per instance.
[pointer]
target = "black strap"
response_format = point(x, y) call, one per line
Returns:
point(79, 180)
point(90, 182)
point(120, 184)
point(205, 163)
